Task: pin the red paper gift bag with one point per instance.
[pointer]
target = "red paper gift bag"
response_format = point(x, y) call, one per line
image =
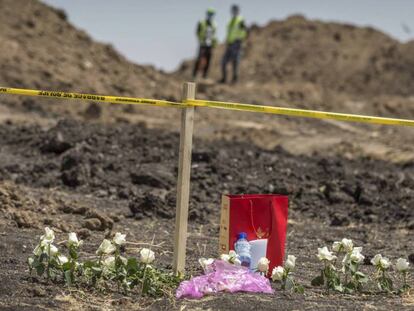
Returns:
point(261, 216)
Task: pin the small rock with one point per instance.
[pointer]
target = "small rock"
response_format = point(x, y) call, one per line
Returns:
point(149, 206)
point(367, 260)
point(106, 222)
point(339, 221)
point(64, 227)
point(47, 221)
point(79, 210)
point(76, 177)
point(93, 224)
point(101, 193)
point(37, 292)
point(84, 233)
point(94, 111)
point(153, 176)
point(115, 218)
point(201, 156)
point(24, 220)
point(57, 144)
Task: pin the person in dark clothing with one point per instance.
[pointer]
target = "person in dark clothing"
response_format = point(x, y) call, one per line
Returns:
point(206, 34)
point(236, 33)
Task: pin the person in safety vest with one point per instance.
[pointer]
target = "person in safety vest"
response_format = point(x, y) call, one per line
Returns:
point(206, 34)
point(236, 33)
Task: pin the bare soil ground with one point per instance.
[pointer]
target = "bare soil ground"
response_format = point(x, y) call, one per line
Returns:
point(111, 168)
point(96, 179)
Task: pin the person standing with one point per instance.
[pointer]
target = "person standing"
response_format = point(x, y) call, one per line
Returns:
point(236, 33)
point(206, 34)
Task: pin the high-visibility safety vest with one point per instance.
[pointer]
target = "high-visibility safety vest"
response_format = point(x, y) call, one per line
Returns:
point(235, 31)
point(207, 33)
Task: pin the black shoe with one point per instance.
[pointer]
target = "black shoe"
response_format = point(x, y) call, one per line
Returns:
point(234, 81)
point(222, 81)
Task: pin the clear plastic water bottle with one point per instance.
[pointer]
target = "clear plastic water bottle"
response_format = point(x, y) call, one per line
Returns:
point(242, 248)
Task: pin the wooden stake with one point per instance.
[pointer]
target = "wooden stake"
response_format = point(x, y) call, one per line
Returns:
point(183, 186)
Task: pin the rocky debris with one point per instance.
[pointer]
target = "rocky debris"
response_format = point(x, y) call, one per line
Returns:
point(97, 221)
point(84, 233)
point(338, 220)
point(56, 144)
point(152, 179)
point(25, 219)
point(93, 224)
point(76, 177)
point(138, 165)
point(411, 258)
point(150, 205)
point(94, 111)
point(70, 209)
point(37, 291)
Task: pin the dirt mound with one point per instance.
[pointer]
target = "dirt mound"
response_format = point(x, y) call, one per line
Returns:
point(134, 164)
point(333, 56)
point(40, 49)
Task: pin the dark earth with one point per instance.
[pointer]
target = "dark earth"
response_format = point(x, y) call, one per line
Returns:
point(97, 179)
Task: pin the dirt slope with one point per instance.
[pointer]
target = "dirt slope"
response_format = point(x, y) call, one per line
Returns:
point(41, 49)
point(339, 57)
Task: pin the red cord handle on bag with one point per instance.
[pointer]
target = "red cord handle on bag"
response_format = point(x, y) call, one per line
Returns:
point(258, 233)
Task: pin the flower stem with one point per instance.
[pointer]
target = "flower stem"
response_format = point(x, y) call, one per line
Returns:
point(48, 262)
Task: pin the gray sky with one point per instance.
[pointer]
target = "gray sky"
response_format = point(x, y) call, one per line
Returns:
point(161, 32)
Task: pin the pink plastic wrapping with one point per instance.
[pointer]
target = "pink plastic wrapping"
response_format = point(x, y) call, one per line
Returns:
point(224, 277)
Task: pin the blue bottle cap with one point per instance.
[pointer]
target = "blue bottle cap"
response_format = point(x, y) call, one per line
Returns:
point(242, 235)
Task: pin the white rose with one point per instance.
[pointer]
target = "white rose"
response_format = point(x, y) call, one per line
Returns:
point(62, 259)
point(380, 261)
point(336, 246)
point(48, 237)
point(225, 257)
point(30, 260)
point(233, 254)
point(73, 240)
point(376, 260)
point(53, 250)
point(278, 273)
point(123, 259)
point(402, 265)
point(347, 244)
point(147, 255)
point(263, 264)
point(119, 238)
point(109, 262)
point(290, 262)
point(38, 250)
point(204, 262)
point(236, 262)
point(356, 255)
point(106, 248)
point(385, 263)
point(325, 254)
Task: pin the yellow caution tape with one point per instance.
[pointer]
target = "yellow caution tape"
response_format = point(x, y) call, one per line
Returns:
point(301, 112)
point(90, 97)
point(212, 104)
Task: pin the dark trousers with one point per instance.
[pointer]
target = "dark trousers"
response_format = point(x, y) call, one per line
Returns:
point(203, 60)
point(232, 54)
